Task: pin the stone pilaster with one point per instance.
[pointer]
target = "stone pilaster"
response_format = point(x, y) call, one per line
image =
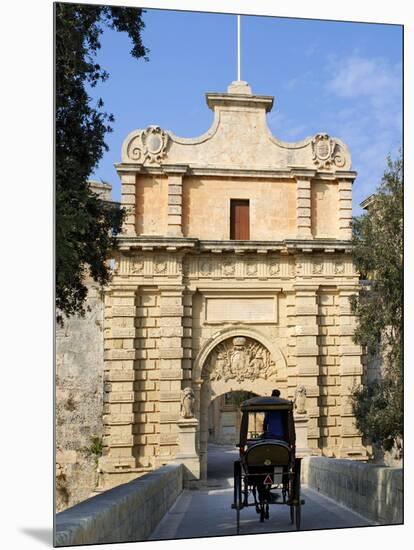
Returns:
point(345, 208)
point(175, 200)
point(171, 356)
point(303, 206)
point(306, 353)
point(119, 396)
point(128, 201)
point(350, 375)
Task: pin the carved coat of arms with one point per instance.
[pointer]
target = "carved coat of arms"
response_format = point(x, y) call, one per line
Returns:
point(149, 144)
point(241, 359)
point(326, 152)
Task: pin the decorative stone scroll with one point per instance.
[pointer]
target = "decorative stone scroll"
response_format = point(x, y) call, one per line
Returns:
point(326, 152)
point(241, 359)
point(149, 144)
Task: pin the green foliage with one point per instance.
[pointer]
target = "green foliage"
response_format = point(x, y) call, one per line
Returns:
point(378, 256)
point(237, 397)
point(85, 225)
point(95, 448)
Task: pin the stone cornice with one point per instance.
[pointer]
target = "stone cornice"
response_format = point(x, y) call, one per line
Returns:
point(243, 100)
point(293, 172)
point(288, 246)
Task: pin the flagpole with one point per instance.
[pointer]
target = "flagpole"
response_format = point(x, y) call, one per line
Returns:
point(238, 47)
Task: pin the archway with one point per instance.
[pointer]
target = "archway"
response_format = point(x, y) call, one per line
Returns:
point(224, 417)
point(236, 363)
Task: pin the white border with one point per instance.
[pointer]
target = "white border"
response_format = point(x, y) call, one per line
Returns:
point(27, 317)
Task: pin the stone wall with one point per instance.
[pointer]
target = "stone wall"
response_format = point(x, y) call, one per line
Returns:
point(127, 513)
point(79, 394)
point(373, 491)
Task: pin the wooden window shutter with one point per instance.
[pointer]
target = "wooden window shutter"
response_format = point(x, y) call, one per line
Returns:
point(239, 220)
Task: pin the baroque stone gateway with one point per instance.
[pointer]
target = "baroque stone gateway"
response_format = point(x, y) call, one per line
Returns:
point(233, 273)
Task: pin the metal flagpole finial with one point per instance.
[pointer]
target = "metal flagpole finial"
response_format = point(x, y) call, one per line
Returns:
point(238, 47)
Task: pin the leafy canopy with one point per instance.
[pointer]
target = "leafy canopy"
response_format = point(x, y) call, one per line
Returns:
point(378, 256)
point(85, 225)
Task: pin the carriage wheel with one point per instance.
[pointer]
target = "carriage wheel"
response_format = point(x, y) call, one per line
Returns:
point(296, 492)
point(237, 492)
point(298, 516)
point(262, 512)
point(292, 514)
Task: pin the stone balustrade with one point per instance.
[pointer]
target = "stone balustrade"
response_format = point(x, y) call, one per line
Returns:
point(376, 492)
point(129, 512)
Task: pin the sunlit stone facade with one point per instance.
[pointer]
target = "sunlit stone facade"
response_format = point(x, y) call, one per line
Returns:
point(191, 307)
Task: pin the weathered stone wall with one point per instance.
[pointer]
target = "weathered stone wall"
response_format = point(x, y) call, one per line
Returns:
point(127, 513)
point(79, 400)
point(373, 491)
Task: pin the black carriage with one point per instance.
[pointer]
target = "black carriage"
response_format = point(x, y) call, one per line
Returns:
point(268, 471)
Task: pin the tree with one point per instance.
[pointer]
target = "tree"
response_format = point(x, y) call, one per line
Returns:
point(378, 256)
point(86, 226)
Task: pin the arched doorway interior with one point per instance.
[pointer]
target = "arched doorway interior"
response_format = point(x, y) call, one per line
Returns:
point(234, 364)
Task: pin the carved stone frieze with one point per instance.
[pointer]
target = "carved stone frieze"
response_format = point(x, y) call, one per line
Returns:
point(317, 268)
point(147, 264)
point(339, 268)
point(149, 144)
point(274, 268)
point(326, 152)
point(205, 267)
point(241, 359)
point(160, 265)
point(137, 265)
point(251, 268)
point(229, 268)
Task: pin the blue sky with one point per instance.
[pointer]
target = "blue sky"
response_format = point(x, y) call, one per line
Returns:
point(341, 78)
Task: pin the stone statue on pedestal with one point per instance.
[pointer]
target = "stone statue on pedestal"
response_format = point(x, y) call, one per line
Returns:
point(300, 400)
point(187, 403)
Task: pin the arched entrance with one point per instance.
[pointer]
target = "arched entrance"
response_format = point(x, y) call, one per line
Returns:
point(224, 417)
point(234, 362)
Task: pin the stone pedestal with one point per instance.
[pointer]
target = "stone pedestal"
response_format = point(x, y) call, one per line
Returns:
point(187, 429)
point(301, 429)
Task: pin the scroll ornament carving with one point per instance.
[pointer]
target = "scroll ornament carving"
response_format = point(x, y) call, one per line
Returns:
point(160, 265)
point(274, 268)
point(241, 359)
point(205, 267)
point(326, 152)
point(187, 403)
point(318, 268)
point(149, 144)
point(229, 268)
point(339, 268)
point(137, 265)
point(300, 400)
point(251, 268)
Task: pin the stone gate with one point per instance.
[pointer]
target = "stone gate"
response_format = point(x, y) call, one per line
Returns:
point(233, 272)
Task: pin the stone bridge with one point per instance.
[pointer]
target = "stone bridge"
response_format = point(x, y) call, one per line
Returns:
point(337, 493)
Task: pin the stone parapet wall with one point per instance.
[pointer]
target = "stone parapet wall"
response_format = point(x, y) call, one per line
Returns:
point(373, 491)
point(126, 513)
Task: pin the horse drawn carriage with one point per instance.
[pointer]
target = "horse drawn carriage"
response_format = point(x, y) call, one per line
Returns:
point(267, 469)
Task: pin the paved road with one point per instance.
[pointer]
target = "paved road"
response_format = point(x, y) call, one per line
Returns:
point(207, 512)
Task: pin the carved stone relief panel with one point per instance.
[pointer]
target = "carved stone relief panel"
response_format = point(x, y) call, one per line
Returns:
point(240, 359)
point(149, 144)
point(326, 152)
point(249, 267)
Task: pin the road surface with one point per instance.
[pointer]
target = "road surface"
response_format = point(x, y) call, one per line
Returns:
point(207, 511)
